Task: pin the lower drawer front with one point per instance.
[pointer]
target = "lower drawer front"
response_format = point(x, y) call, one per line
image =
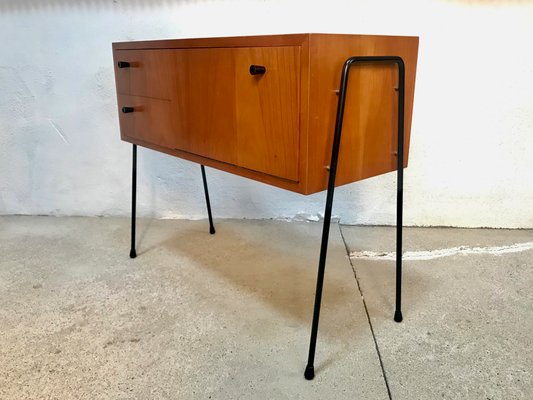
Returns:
point(150, 121)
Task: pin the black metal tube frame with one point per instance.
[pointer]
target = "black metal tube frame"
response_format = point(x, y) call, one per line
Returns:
point(309, 370)
point(133, 253)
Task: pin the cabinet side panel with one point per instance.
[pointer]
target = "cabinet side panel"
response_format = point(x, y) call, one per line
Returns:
point(369, 136)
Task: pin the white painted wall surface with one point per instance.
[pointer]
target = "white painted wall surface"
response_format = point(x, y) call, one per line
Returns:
point(471, 156)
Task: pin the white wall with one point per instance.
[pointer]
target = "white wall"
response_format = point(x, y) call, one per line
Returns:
point(472, 140)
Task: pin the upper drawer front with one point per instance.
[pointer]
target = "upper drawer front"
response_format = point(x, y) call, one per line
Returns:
point(145, 72)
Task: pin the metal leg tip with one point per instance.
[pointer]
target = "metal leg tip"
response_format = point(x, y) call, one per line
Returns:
point(309, 372)
point(212, 230)
point(398, 316)
point(133, 254)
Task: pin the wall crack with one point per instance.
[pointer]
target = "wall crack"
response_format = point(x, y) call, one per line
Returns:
point(59, 131)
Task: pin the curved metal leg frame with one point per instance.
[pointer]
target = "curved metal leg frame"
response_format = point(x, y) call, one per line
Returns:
point(309, 370)
point(211, 226)
point(133, 254)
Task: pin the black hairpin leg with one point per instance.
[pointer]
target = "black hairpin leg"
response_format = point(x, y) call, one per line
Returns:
point(211, 226)
point(310, 370)
point(399, 194)
point(133, 254)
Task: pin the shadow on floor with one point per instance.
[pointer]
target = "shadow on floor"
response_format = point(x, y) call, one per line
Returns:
point(277, 263)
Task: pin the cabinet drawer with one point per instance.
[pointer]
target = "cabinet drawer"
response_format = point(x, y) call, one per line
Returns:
point(151, 120)
point(148, 74)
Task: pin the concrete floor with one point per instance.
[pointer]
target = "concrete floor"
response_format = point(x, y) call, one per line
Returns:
point(228, 316)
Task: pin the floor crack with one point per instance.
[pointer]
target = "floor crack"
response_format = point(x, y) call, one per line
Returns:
point(367, 314)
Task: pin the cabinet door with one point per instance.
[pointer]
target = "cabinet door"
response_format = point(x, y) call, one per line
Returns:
point(267, 110)
point(205, 103)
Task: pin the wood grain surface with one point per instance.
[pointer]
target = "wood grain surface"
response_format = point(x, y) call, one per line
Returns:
point(267, 110)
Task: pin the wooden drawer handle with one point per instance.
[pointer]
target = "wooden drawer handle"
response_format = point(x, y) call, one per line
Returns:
point(257, 69)
point(123, 64)
point(126, 109)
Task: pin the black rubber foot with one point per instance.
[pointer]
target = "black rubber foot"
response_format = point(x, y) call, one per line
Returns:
point(398, 316)
point(212, 230)
point(133, 254)
point(309, 372)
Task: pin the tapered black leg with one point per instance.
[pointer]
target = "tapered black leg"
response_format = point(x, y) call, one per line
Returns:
point(211, 226)
point(398, 312)
point(399, 198)
point(310, 368)
point(133, 254)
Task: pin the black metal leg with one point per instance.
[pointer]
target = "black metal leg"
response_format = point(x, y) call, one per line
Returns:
point(133, 254)
point(310, 369)
point(211, 226)
point(399, 198)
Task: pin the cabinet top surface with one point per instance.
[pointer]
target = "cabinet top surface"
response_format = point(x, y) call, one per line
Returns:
point(240, 41)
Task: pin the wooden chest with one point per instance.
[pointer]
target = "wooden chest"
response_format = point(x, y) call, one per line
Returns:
point(209, 101)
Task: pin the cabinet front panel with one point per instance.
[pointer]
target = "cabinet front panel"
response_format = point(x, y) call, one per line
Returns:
point(268, 110)
point(205, 103)
point(216, 107)
point(148, 74)
point(149, 120)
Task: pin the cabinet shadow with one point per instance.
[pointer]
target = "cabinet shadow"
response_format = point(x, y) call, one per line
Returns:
point(276, 262)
